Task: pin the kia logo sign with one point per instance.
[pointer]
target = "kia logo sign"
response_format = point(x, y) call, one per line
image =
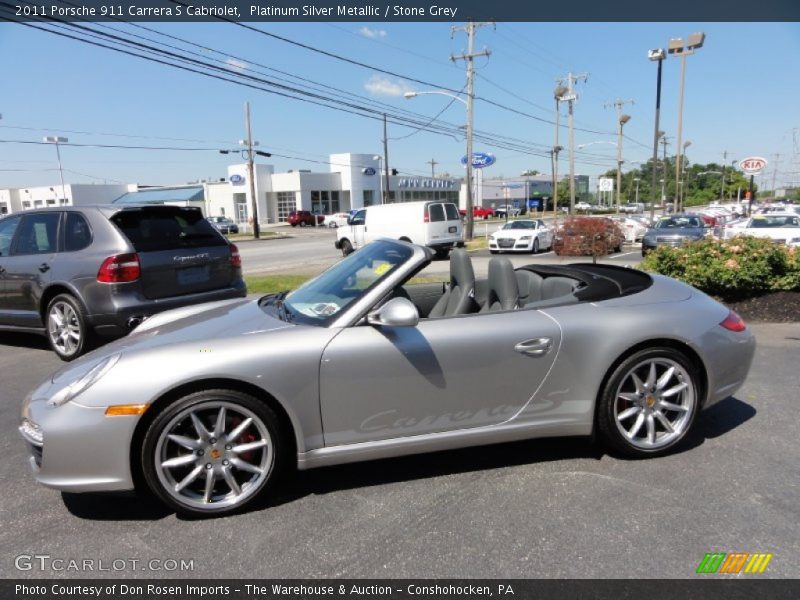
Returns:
point(753, 165)
point(480, 160)
point(236, 179)
point(368, 171)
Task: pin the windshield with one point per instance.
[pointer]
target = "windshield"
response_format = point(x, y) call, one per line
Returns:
point(321, 298)
point(775, 221)
point(520, 225)
point(679, 222)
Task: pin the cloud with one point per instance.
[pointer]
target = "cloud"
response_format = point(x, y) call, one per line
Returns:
point(379, 85)
point(237, 65)
point(372, 34)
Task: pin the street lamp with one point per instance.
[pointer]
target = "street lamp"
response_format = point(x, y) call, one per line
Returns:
point(50, 139)
point(470, 218)
point(677, 46)
point(637, 180)
point(622, 120)
point(658, 55)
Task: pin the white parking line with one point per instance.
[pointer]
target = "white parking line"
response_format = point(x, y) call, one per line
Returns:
point(623, 254)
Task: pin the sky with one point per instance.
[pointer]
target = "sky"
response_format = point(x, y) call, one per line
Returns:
point(741, 96)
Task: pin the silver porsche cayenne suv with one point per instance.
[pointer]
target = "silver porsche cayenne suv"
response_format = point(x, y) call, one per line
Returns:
point(81, 274)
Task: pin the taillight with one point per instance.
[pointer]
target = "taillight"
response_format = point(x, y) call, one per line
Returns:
point(120, 268)
point(236, 259)
point(426, 218)
point(734, 322)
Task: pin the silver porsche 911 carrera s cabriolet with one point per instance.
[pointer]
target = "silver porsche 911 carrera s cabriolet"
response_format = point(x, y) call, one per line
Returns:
point(206, 405)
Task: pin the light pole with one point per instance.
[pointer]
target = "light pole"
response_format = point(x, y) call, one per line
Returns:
point(637, 180)
point(470, 218)
point(677, 47)
point(554, 167)
point(657, 55)
point(558, 92)
point(384, 191)
point(58, 140)
point(682, 184)
point(622, 120)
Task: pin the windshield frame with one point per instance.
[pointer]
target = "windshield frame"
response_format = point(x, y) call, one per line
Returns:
point(417, 258)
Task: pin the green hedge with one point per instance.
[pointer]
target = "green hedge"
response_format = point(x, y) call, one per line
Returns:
point(733, 269)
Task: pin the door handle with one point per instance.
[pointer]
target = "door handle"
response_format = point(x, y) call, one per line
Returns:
point(44, 267)
point(535, 347)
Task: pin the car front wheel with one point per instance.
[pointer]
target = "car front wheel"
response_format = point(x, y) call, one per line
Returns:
point(67, 330)
point(535, 247)
point(212, 452)
point(649, 403)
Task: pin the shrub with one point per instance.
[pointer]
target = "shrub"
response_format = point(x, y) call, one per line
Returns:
point(733, 269)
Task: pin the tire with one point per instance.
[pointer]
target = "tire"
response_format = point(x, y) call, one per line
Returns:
point(535, 247)
point(68, 333)
point(332, 225)
point(294, 224)
point(628, 411)
point(216, 478)
point(347, 247)
point(442, 254)
point(302, 223)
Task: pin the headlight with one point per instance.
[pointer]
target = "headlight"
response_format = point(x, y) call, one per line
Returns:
point(79, 386)
point(794, 240)
point(524, 237)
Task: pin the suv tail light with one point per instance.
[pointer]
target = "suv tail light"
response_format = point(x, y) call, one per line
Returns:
point(734, 322)
point(426, 217)
point(120, 268)
point(236, 259)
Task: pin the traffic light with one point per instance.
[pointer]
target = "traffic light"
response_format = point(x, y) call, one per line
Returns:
point(394, 171)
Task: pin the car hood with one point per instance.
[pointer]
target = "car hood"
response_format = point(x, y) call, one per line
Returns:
point(514, 233)
point(206, 323)
point(677, 232)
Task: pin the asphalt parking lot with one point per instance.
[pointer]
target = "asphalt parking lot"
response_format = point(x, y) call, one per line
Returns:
point(547, 508)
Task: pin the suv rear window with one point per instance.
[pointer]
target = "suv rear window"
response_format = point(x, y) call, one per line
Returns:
point(154, 229)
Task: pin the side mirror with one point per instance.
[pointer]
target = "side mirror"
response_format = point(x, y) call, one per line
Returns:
point(397, 312)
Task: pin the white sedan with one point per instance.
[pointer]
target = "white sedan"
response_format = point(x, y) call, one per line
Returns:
point(633, 229)
point(783, 228)
point(523, 235)
point(337, 219)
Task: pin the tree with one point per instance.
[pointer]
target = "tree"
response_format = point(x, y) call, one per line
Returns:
point(531, 173)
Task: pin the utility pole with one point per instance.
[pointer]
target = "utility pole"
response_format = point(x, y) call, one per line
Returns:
point(557, 94)
point(571, 79)
point(470, 28)
point(664, 143)
point(775, 172)
point(432, 163)
point(250, 175)
point(621, 120)
point(385, 162)
point(724, 162)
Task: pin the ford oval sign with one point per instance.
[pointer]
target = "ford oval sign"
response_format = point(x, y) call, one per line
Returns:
point(368, 171)
point(480, 160)
point(236, 179)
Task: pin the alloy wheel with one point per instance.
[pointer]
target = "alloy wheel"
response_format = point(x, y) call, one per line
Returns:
point(654, 403)
point(64, 328)
point(214, 455)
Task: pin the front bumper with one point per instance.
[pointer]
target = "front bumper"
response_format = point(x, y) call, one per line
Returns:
point(82, 450)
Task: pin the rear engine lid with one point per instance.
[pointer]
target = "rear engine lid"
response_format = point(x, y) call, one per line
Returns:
point(179, 251)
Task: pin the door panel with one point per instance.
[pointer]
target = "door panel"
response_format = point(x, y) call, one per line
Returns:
point(445, 374)
point(29, 268)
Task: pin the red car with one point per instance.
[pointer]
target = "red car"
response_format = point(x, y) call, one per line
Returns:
point(478, 212)
point(303, 218)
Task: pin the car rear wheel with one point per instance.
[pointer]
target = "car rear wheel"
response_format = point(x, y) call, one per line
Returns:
point(649, 403)
point(212, 452)
point(67, 330)
point(347, 247)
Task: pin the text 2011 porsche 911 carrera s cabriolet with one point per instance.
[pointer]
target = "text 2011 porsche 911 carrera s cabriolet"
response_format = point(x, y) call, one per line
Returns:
point(205, 405)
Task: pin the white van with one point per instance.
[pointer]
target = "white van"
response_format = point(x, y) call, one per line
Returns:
point(433, 224)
